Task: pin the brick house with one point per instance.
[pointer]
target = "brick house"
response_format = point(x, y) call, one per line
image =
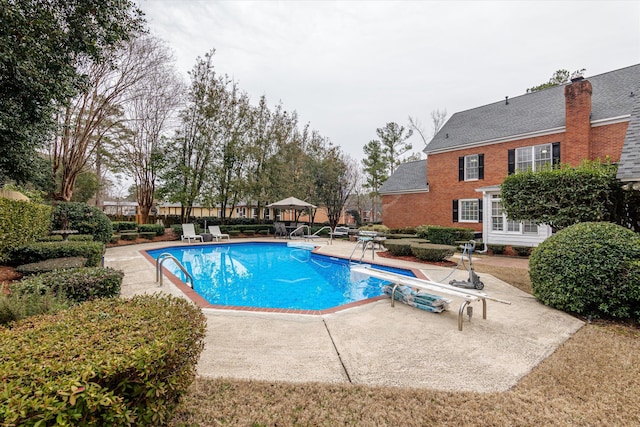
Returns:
point(459, 182)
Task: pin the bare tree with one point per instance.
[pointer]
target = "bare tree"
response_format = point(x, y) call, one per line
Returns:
point(438, 117)
point(153, 103)
point(90, 115)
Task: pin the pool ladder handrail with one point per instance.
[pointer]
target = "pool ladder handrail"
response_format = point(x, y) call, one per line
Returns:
point(365, 243)
point(164, 256)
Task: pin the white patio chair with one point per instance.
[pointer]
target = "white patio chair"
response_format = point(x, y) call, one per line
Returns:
point(216, 233)
point(189, 232)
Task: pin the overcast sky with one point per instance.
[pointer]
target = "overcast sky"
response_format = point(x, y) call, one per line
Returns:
point(348, 68)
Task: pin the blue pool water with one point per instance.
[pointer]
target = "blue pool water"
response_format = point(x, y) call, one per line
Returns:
point(271, 275)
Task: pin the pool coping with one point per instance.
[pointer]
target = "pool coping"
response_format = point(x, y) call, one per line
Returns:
point(203, 303)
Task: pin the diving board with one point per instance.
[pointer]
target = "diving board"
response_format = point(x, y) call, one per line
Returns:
point(468, 295)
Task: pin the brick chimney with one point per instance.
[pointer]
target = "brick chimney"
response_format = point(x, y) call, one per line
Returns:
point(577, 144)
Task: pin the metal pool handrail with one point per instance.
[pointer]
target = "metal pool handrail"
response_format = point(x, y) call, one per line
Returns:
point(164, 256)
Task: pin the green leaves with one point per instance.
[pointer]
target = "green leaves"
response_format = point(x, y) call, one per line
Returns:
point(589, 269)
point(564, 196)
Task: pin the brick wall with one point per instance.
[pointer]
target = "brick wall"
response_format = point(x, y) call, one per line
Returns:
point(435, 207)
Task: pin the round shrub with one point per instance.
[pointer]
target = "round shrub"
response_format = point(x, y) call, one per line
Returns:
point(588, 269)
point(84, 218)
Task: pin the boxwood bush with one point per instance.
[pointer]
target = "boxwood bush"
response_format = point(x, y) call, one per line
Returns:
point(444, 235)
point(51, 265)
point(109, 362)
point(84, 218)
point(432, 252)
point(148, 228)
point(124, 226)
point(21, 223)
point(399, 247)
point(41, 251)
point(78, 284)
point(589, 269)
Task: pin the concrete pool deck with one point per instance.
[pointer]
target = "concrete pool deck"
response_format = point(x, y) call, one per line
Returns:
point(371, 344)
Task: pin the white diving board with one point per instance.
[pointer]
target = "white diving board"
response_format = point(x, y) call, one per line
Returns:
point(468, 295)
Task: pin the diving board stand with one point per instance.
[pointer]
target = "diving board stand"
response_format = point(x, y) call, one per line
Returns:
point(468, 295)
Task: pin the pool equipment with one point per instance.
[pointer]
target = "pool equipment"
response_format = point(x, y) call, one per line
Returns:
point(473, 281)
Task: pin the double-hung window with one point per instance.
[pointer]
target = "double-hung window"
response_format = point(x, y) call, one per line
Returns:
point(471, 167)
point(534, 158)
point(467, 210)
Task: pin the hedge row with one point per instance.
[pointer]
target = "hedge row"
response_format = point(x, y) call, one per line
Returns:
point(77, 284)
point(41, 251)
point(419, 248)
point(51, 265)
point(21, 223)
point(444, 235)
point(116, 362)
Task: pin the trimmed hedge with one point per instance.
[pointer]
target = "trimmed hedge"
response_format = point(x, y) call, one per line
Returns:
point(589, 269)
point(378, 228)
point(21, 223)
point(41, 251)
point(444, 235)
point(115, 362)
point(84, 218)
point(51, 264)
point(124, 226)
point(158, 229)
point(78, 284)
point(129, 236)
point(401, 247)
point(432, 252)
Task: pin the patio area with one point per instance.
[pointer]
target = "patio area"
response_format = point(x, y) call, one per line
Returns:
point(372, 344)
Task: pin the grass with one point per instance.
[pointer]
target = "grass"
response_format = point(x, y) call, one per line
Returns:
point(591, 380)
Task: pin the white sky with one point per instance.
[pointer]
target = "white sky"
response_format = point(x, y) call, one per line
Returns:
point(350, 67)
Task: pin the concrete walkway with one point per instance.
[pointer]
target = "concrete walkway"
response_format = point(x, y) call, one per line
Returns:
point(372, 344)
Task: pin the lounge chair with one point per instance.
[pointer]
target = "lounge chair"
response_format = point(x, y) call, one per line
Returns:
point(189, 232)
point(215, 232)
point(340, 232)
point(279, 230)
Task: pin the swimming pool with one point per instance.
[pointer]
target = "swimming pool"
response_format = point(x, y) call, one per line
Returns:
point(271, 276)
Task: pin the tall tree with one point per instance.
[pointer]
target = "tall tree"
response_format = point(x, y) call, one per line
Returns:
point(335, 180)
point(88, 117)
point(147, 117)
point(394, 144)
point(559, 77)
point(42, 42)
point(375, 170)
point(191, 150)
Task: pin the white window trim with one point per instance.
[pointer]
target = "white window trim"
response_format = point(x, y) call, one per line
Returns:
point(505, 223)
point(460, 210)
point(466, 169)
point(533, 156)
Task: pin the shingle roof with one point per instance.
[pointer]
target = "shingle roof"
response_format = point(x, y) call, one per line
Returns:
point(408, 177)
point(629, 165)
point(537, 111)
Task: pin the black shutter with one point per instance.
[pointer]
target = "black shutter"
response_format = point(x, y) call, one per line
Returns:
point(512, 161)
point(479, 210)
point(555, 152)
point(461, 168)
point(455, 211)
point(480, 166)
